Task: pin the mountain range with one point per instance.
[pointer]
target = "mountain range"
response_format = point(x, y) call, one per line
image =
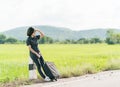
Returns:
point(58, 33)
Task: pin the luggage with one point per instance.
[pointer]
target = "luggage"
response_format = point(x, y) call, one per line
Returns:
point(51, 71)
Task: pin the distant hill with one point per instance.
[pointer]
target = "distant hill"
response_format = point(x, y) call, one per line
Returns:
point(59, 33)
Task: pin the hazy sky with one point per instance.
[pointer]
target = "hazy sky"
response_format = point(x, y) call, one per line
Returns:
point(74, 14)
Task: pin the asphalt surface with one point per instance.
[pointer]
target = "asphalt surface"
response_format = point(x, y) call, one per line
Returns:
point(102, 79)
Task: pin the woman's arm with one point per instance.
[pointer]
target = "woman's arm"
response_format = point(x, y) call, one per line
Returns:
point(41, 33)
point(33, 51)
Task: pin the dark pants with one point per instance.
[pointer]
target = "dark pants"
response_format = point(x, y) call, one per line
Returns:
point(39, 63)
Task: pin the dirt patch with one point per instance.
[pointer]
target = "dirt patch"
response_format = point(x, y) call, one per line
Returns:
point(17, 83)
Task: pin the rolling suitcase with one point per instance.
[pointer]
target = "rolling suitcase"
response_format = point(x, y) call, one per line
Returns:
point(51, 71)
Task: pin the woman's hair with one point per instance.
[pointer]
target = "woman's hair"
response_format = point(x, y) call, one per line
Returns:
point(30, 31)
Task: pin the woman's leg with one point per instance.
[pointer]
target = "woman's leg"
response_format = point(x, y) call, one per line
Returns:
point(41, 61)
point(35, 59)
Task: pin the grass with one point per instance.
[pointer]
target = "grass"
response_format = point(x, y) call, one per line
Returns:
point(70, 59)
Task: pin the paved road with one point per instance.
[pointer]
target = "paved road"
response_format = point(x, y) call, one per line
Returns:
point(102, 79)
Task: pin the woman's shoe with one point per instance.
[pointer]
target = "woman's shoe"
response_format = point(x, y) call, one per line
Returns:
point(47, 78)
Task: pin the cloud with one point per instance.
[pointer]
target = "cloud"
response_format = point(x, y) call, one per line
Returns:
point(74, 14)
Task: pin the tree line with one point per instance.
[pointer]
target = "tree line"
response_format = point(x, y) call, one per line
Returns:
point(4, 39)
point(12, 40)
point(112, 38)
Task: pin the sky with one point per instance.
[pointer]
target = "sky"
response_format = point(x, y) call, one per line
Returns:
point(73, 14)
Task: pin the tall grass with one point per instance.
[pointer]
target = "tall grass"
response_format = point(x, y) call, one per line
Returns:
point(70, 59)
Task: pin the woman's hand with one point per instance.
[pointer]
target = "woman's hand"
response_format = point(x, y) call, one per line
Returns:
point(36, 30)
point(38, 55)
point(41, 33)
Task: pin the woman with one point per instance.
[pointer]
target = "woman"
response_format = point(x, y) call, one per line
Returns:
point(34, 50)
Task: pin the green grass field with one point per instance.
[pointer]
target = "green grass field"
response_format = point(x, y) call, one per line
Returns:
point(70, 59)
